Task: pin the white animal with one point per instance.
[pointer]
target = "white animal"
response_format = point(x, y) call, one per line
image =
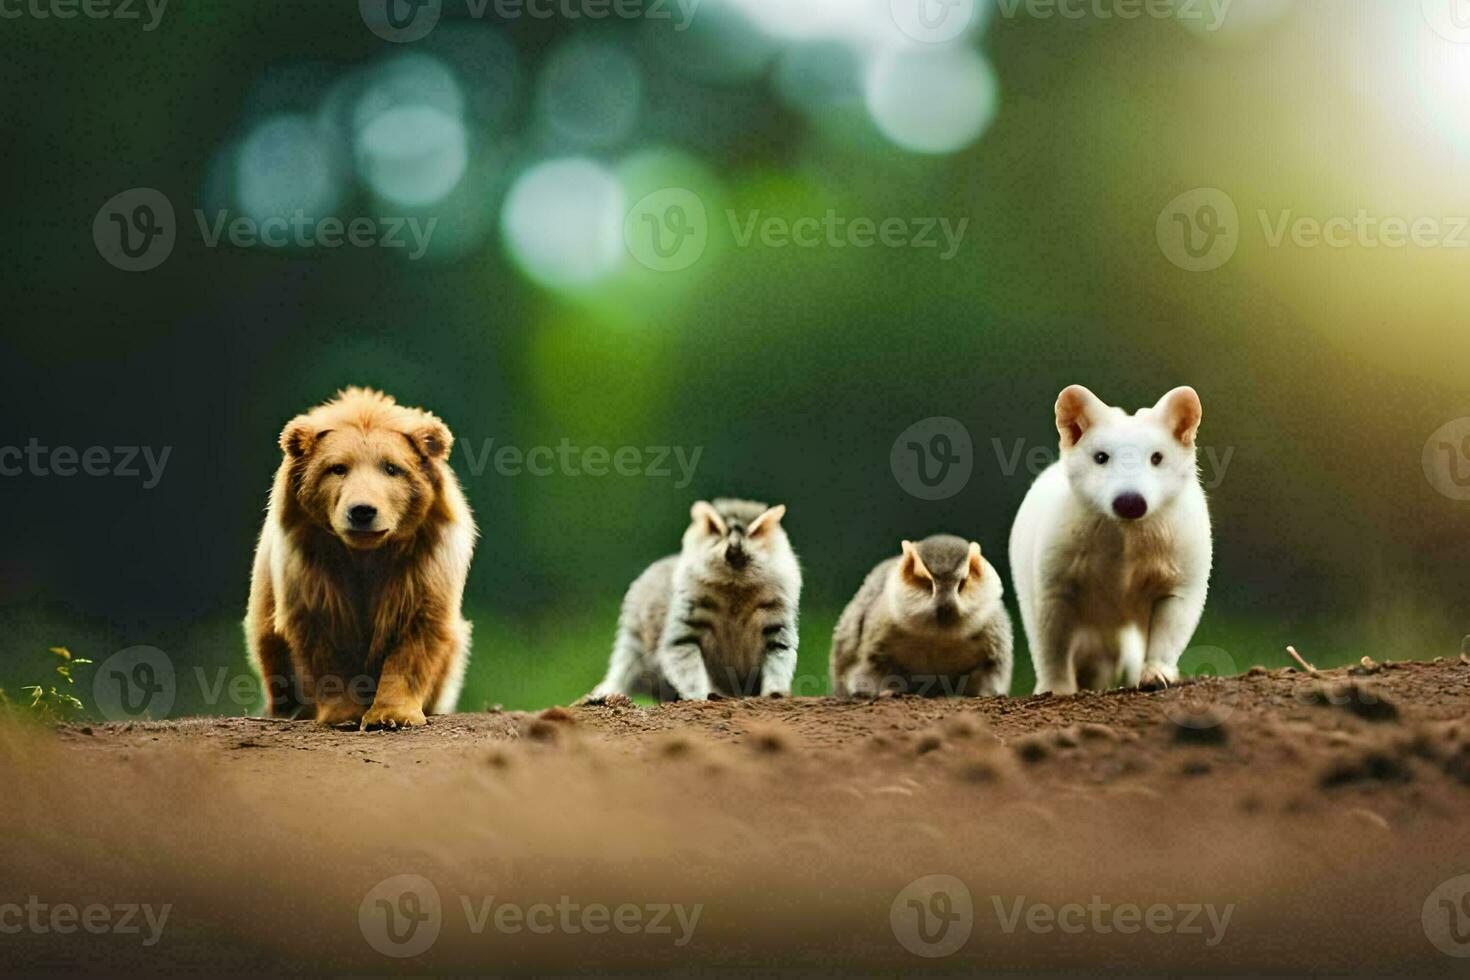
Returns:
point(1111, 549)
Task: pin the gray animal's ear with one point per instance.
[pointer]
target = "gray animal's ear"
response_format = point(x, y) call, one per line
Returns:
point(299, 437)
point(1077, 410)
point(707, 518)
point(767, 522)
point(1180, 412)
point(912, 567)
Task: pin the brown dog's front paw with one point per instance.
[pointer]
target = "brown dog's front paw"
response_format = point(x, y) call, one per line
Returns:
point(338, 713)
point(391, 716)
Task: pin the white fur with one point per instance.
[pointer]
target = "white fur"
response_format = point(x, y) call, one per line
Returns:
point(1108, 601)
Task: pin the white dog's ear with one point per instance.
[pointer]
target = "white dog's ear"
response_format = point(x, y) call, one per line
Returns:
point(1077, 410)
point(1180, 412)
point(704, 515)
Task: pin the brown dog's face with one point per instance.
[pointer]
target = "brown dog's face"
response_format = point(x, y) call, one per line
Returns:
point(368, 483)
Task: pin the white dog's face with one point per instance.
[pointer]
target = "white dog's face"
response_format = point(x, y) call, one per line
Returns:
point(1129, 466)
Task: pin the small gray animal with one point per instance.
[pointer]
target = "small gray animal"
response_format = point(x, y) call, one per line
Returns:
point(719, 617)
point(930, 622)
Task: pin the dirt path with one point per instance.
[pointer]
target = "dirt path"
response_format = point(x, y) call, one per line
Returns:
point(1273, 822)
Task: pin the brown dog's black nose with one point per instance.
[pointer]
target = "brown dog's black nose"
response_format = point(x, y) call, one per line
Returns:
point(1130, 506)
point(362, 516)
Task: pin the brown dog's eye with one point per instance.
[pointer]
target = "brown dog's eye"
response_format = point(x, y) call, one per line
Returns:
point(1158, 459)
point(392, 470)
point(338, 470)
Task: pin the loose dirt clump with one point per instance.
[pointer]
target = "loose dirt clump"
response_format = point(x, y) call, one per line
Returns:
point(1032, 749)
point(1206, 727)
point(1373, 764)
point(1368, 703)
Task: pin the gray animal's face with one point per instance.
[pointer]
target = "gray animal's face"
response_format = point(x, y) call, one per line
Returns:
point(1127, 467)
point(939, 581)
point(735, 538)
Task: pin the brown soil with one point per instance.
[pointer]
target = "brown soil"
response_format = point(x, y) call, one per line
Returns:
point(1326, 810)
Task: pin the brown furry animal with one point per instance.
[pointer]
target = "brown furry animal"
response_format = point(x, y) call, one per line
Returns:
point(355, 597)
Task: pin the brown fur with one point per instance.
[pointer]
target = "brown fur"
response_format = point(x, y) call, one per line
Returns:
point(351, 626)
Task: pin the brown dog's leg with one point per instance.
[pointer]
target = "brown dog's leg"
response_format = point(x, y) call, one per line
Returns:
point(340, 697)
point(404, 685)
point(284, 695)
point(271, 654)
point(339, 709)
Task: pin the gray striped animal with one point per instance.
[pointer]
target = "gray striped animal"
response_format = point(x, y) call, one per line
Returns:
point(718, 617)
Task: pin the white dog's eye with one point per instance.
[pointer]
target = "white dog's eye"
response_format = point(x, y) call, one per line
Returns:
point(1158, 459)
point(1101, 459)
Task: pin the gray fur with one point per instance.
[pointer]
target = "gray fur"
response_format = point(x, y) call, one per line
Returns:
point(890, 637)
point(695, 623)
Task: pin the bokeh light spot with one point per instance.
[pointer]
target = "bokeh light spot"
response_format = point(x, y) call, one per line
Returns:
point(285, 166)
point(563, 223)
point(590, 93)
point(411, 144)
point(413, 155)
point(932, 101)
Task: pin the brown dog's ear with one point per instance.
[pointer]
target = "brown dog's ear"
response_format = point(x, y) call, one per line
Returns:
point(1180, 412)
point(1077, 410)
point(299, 437)
point(432, 439)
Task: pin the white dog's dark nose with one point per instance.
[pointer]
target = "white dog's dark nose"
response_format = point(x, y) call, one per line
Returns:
point(1130, 506)
point(362, 516)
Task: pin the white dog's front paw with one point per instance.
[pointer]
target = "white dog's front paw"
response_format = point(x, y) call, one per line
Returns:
point(1057, 688)
point(1156, 677)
